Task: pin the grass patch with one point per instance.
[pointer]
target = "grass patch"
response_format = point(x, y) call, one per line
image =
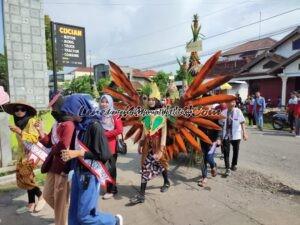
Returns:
point(40, 178)
point(8, 187)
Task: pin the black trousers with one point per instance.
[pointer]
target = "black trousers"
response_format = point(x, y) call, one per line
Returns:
point(226, 151)
point(36, 191)
point(112, 168)
point(251, 119)
point(291, 120)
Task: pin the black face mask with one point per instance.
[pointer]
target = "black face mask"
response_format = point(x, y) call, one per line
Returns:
point(59, 117)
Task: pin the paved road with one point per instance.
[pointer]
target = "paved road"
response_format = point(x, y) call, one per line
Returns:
point(247, 197)
point(274, 153)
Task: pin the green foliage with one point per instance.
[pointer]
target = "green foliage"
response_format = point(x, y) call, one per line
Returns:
point(121, 90)
point(182, 74)
point(162, 79)
point(102, 83)
point(40, 178)
point(80, 84)
point(47, 21)
point(146, 89)
point(3, 71)
point(190, 78)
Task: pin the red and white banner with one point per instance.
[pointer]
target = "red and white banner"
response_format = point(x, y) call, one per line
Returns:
point(95, 167)
point(36, 152)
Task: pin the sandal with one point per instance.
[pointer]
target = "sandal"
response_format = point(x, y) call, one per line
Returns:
point(214, 171)
point(202, 182)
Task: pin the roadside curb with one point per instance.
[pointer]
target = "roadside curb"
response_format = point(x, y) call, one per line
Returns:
point(11, 178)
point(8, 179)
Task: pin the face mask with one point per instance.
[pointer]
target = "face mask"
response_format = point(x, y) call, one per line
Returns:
point(59, 117)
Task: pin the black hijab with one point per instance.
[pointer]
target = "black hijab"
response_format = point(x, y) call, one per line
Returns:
point(56, 112)
point(21, 122)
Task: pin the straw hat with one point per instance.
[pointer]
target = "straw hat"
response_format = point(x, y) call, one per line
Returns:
point(11, 107)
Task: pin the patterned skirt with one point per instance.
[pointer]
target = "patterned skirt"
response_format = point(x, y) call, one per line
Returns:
point(151, 167)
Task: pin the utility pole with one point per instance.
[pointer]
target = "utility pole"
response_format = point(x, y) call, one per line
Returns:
point(53, 58)
point(259, 25)
point(91, 79)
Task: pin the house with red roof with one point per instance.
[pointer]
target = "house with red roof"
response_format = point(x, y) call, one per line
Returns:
point(265, 65)
point(233, 60)
point(275, 72)
point(137, 77)
point(81, 71)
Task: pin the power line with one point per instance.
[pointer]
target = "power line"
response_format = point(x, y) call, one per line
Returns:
point(177, 25)
point(131, 4)
point(225, 47)
point(225, 32)
point(253, 23)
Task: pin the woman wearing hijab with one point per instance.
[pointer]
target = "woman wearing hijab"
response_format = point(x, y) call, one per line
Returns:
point(56, 189)
point(113, 127)
point(85, 184)
point(26, 132)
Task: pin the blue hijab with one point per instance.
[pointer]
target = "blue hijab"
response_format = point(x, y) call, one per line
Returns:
point(80, 105)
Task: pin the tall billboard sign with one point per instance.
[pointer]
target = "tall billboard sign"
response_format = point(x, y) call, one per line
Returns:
point(68, 47)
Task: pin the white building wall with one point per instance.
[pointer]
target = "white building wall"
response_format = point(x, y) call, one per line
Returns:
point(140, 80)
point(259, 67)
point(80, 74)
point(286, 49)
point(68, 77)
point(241, 89)
point(293, 67)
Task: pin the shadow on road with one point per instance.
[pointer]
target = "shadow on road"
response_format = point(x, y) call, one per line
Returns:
point(9, 205)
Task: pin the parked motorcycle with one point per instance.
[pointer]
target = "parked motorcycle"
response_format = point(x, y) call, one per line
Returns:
point(280, 120)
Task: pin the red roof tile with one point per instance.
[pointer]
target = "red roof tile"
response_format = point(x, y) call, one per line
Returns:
point(260, 44)
point(145, 73)
point(227, 68)
point(84, 69)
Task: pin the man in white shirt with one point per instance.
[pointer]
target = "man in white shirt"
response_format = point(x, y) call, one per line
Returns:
point(233, 131)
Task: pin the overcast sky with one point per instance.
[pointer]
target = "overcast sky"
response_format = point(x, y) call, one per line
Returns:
point(122, 28)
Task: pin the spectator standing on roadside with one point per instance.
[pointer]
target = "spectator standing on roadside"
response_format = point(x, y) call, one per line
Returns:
point(258, 109)
point(297, 116)
point(291, 108)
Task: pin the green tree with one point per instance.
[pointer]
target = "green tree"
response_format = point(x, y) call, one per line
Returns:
point(162, 79)
point(182, 73)
point(80, 85)
point(47, 21)
point(146, 89)
point(3, 72)
point(102, 83)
